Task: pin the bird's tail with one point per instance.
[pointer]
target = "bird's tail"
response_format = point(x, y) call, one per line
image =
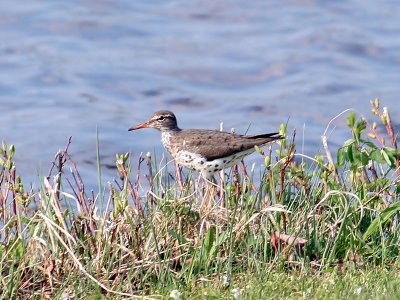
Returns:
point(272, 136)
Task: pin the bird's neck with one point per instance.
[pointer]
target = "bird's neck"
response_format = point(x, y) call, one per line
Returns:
point(170, 130)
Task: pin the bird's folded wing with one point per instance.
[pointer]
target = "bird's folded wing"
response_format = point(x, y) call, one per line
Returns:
point(216, 144)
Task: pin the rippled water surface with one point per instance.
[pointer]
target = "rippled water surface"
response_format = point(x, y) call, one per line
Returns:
point(69, 66)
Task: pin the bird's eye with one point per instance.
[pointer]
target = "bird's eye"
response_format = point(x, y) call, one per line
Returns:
point(161, 118)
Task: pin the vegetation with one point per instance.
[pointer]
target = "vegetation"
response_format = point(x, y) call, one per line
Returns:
point(312, 227)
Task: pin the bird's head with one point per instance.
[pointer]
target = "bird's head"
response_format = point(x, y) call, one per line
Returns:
point(162, 120)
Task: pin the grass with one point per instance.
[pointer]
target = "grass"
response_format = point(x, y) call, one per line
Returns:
point(366, 284)
point(313, 227)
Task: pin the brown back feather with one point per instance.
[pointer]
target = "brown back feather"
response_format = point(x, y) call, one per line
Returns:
point(214, 144)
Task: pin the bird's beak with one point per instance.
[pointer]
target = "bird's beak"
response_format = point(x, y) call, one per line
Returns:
point(140, 126)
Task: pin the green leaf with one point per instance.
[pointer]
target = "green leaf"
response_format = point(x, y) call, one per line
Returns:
point(369, 144)
point(282, 129)
point(342, 156)
point(356, 154)
point(397, 190)
point(9, 165)
point(222, 237)
point(391, 151)
point(350, 154)
point(389, 157)
point(267, 161)
point(377, 156)
point(209, 240)
point(181, 239)
point(361, 125)
point(364, 158)
point(258, 150)
point(12, 151)
point(348, 142)
point(385, 215)
point(351, 119)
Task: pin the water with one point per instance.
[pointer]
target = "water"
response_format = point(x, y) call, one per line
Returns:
point(69, 66)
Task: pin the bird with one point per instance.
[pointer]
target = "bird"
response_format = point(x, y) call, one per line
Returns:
point(204, 150)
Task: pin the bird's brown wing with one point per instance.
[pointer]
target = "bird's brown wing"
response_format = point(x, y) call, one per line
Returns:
point(214, 144)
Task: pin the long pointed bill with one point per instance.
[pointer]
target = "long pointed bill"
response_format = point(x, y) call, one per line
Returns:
point(140, 126)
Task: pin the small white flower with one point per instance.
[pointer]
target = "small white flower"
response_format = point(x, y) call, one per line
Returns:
point(225, 280)
point(236, 293)
point(358, 290)
point(175, 294)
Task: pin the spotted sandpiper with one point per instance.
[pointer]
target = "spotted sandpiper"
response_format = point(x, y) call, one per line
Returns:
point(204, 150)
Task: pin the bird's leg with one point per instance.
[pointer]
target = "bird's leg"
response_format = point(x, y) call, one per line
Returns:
point(179, 176)
point(214, 191)
point(204, 193)
point(221, 187)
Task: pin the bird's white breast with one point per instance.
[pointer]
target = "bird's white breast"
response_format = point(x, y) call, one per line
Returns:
point(165, 139)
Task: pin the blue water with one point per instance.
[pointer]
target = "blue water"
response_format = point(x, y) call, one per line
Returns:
point(69, 66)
